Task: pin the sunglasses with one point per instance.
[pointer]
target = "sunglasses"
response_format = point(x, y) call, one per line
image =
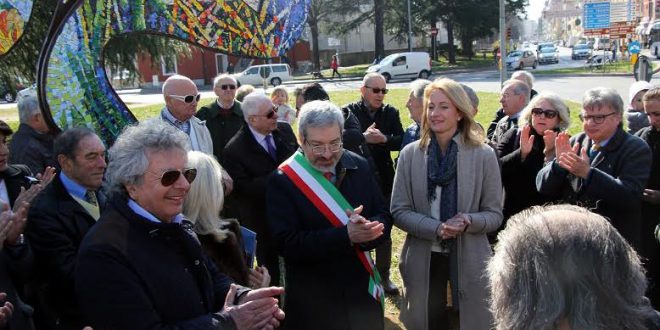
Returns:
point(377, 90)
point(548, 113)
point(187, 98)
point(168, 178)
point(226, 87)
point(269, 115)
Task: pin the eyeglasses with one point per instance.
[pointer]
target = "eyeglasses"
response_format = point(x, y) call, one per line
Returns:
point(598, 119)
point(377, 90)
point(320, 150)
point(226, 87)
point(187, 98)
point(548, 113)
point(168, 178)
point(270, 114)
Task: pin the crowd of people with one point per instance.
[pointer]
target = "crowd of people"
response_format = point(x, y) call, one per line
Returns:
point(514, 226)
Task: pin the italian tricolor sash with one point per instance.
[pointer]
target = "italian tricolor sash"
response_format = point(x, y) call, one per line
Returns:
point(329, 201)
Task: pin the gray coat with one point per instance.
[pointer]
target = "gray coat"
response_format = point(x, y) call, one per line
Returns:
point(479, 196)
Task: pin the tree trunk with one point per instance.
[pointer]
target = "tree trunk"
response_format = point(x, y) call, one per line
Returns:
point(316, 57)
point(450, 40)
point(379, 15)
point(466, 42)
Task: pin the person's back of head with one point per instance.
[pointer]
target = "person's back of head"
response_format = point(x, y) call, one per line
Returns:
point(243, 91)
point(563, 264)
point(314, 92)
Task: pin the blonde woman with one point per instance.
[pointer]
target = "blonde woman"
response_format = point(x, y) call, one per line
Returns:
point(447, 196)
point(220, 239)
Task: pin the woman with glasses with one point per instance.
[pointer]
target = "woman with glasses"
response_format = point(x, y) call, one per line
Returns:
point(141, 266)
point(524, 149)
point(447, 196)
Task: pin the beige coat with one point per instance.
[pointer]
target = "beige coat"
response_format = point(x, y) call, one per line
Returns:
point(480, 196)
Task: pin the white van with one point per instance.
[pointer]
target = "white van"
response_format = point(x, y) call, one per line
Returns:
point(411, 65)
point(274, 74)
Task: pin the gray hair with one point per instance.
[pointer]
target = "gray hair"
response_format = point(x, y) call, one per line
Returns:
point(221, 77)
point(601, 96)
point(556, 103)
point(525, 76)
point(417, 88)
point(519, 88)
point(206, 196)
point(370, 76)
point(319, 114)
point(27, 108)
point(251, 103)
point(128, 157)
point(243, 91)
point(474, 99)
point(565, 263)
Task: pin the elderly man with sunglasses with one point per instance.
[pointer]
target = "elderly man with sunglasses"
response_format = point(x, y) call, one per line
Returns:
point(59, 218)
point(224, 116)
point(382, 129)
point(603, 168)
point(141, 266)
point(251, 157)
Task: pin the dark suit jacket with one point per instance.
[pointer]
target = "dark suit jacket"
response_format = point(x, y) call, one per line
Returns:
point(320, 259)
point(14, 177)
point(388, 122)
point(222, 128)
point(614, 186)
point(30, 148)
point(55, 230)
point(250, 166)
point(518, 176)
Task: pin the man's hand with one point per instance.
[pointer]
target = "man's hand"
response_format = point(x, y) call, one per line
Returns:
point(373, 135)
point(577, 165)
point(651, 196)
point(6, 309)
point(562, 144)
point(361, 230)
point(526, 142)
point(256, 309)
point(259, 277)
point(28, 195)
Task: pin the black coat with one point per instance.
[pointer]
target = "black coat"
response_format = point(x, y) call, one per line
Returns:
point(388, 122)
point(222, 128)
point(250, 166)
point(15, 178)
point(137, 274)
point(56, 227)
point(518, 176)
point(615, 184)
point(30, 148)
point(326, 286)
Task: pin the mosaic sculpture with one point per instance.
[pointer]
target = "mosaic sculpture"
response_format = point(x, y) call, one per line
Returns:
point(73, 87)
point(13, 16)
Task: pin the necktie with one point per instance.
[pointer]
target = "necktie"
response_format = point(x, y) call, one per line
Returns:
point(594, 150)
point(328, 175)
point(90, 197)
point(271, 147)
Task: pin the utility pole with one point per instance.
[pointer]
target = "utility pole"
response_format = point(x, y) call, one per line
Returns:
point(502, 44)
point(409, 28)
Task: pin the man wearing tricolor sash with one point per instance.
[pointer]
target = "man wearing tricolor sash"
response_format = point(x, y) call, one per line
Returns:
point(326, 213)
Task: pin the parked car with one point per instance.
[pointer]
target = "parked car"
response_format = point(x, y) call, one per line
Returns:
point(548, 55)
point(581, 51)
point(409, 65)
point(519, 59)
point(274, 74)
point(542, 45)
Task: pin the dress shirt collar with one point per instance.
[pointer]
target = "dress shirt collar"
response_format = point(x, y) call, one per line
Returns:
point(73, 187)
point(145, 214)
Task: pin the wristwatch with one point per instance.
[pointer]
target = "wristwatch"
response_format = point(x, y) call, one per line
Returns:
point(20, 240)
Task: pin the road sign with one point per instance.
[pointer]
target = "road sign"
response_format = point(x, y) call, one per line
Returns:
point(334, 42)
point(434, 31)
point(597, 15)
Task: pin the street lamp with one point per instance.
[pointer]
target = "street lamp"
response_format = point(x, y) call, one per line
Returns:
point(409, 28)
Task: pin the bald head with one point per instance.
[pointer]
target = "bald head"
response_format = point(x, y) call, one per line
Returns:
point(176, 90)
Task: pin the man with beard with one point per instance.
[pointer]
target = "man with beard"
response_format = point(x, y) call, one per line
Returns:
point(326, 212)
